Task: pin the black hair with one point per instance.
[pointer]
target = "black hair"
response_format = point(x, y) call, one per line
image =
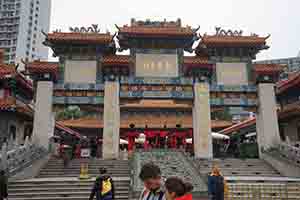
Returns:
point(148, 171)
point(177, 186)
point(103, 170)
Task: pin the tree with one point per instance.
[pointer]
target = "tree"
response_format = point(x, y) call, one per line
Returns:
point(71, 112)
point(221, 115)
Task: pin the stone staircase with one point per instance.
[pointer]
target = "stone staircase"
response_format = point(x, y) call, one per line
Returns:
point(263, 188)
point(251, 179)
point(55, 168)
point(56, 183)
point(237, 167)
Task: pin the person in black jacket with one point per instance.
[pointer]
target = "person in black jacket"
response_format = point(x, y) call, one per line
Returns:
point(103, 187)
point(3, 185)
point(216, 185)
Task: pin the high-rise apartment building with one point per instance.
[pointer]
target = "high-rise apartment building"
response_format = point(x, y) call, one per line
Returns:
point(21, 23)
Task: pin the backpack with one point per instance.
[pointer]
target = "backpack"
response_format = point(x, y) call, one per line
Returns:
point(106, 187)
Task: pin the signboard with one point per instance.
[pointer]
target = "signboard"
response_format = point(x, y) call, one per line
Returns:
point(78, 100)
point(80, 71)
point(157, 94)
point(156, 65)
point(232, 73)
point(157, 81)
point(85, 153)
point(233, 102)
point(233, 88)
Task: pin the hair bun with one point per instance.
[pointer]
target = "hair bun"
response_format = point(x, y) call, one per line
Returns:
point(188, 187)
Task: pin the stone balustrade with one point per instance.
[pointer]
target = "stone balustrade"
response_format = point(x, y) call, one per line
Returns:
point(171, 163)
point(290, 152)
point(20, 156)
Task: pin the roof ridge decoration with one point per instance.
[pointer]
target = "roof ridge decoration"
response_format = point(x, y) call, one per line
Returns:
point(149, 23)
point(223, 32)
point(91, 29)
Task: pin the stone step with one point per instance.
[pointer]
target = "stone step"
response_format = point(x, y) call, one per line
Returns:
point(59, 193)
point(93, 169)
point(119, 189)
point(96, 161)
point(60, 185)
point(61, 188)
point(240, 169)
point(78, 197)
point(242, 172)
point(78, 170)
point(69, 175)
point(75, 182)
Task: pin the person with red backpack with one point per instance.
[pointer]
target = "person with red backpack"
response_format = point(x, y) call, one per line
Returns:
point(103, 187)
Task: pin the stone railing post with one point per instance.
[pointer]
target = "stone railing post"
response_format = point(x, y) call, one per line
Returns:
point(266, 120)
point(202, 122)
point(111, 130)
point(43, 117)
point(4, 157)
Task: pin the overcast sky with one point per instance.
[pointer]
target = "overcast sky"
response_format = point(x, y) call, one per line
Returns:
point(280, 18)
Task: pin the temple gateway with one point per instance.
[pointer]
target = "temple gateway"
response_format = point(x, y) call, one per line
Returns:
point(157, 89)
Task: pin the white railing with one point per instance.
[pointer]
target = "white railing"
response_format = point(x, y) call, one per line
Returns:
point(290, 152)
point(21, 156)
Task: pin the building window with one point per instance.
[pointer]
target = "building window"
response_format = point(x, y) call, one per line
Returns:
point(27, 53)
point(33, 49)
point(34, 35)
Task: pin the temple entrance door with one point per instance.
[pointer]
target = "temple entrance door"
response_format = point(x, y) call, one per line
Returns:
point(158, 139)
